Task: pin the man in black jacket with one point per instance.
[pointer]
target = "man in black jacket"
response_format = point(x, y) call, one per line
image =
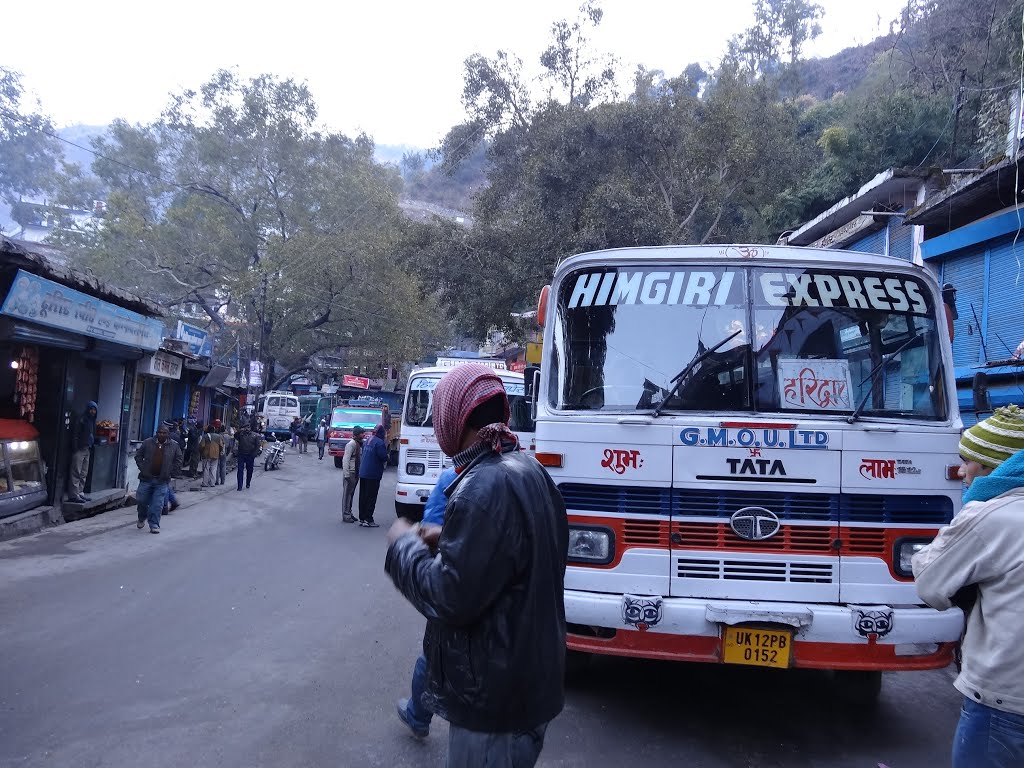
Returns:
point(158, 460)
point(492, 595)
point(82, 438)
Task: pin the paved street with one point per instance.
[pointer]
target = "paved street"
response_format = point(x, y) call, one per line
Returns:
point(258, 630)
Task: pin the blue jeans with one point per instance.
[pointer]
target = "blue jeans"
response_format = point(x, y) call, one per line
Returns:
point(150, 499)
point(471, 749)
point(988, 738)
point(419, 715)
point(245, 464)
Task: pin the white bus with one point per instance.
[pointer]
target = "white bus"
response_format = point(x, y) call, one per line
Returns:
point(420, 461)
point(751, 443)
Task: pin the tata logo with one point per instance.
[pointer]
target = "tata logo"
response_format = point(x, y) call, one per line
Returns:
point(755, 523)
point(756, 466)
point(619, 460)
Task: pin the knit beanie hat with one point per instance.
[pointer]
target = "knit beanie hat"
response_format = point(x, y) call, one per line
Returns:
point(997, 438)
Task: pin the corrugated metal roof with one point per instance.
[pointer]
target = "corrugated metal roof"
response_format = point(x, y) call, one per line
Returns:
point(957, 204)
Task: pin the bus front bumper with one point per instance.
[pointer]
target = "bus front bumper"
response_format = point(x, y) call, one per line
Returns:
point(825, 636)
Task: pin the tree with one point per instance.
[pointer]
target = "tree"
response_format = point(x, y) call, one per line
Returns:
point(29, 149)
point(237, 206)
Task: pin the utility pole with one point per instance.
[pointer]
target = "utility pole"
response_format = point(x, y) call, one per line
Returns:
point(263, 330)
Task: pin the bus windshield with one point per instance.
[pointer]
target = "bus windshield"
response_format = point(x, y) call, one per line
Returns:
point(419, 405)
point(802, 341)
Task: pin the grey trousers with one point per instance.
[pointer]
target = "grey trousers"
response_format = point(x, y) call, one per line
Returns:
point(79, 471)
point(473, 749)
point(351, 481)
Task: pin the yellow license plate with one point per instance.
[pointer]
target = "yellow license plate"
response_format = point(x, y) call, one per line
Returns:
point(759, 647)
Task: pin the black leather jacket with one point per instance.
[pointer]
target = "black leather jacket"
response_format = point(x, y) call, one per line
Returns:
point(495, 638)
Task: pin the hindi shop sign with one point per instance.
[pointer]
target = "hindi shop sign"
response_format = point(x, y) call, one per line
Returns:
point(161, 364)
point(199, 342)
point(358, 382)
point(45, 302)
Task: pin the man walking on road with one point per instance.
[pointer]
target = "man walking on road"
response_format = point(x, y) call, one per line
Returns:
point(209, 451)
point(321, 437)
point(158, 459)
point(247, 445)
point(350, 470)
point(82, 438)
point(222, 461)
point(493, 593)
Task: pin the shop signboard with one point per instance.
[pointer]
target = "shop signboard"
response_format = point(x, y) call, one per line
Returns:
point(199, 341)
point(160, 364)
point(359, 382)
point(45, 302)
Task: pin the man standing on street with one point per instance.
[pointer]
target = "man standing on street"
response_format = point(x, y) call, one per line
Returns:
point(82, 438)
point(493, 593)
point(247, 445)
point(411, 711)
point(371, 472)
point(350, 472)
point(222, 460)
point(158, 459)
point(321, 437)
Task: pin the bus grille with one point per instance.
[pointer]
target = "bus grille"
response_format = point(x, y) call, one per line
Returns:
point(693, 502)
point(755, 570)
point(432, 459)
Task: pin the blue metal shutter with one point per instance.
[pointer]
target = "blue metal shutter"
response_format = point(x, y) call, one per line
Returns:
point(966, 271)
point(901, 239)
point(873, 243)
point(1006, 298)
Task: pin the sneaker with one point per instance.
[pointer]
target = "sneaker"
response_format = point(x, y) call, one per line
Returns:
point(362, 524)
point(348, 519)
point(141, 524)
point(372, 524)
point(154, 530)
point(402, 707)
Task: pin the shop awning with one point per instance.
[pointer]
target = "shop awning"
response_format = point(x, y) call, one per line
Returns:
point(216, 377)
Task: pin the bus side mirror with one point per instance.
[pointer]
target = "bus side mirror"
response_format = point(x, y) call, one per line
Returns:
point(982, 402)
point(531, 378)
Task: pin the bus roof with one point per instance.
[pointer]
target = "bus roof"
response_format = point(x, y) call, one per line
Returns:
point(441, 371)
point(745, 255)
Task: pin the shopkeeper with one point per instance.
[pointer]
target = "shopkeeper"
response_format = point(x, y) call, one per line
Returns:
point(82, 438)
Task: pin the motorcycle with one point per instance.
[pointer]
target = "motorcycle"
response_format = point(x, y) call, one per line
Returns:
point(275, 455)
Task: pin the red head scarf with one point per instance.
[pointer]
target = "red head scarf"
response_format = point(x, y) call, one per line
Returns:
point(460, 391)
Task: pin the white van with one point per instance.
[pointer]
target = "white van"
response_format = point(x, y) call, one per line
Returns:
point(420, 461)
point(277, 410)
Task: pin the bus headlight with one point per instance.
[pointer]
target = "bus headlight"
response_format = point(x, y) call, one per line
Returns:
point(905, 549)
point(593, 545)
point(415, 468)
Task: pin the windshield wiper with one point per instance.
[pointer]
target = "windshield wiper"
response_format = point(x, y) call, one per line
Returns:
point(682, 376)
point(870, 378)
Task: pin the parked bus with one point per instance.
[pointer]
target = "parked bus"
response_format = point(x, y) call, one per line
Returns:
point(752, 442)
point(420, 461)
point(276, 411)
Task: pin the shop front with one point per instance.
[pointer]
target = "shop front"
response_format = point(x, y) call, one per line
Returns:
point(65, 340)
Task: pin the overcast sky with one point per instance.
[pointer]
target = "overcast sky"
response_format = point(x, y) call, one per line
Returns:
point(393, 70)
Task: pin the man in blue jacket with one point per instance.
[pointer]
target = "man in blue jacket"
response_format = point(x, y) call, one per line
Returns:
point(371, 470)
point(411, 710)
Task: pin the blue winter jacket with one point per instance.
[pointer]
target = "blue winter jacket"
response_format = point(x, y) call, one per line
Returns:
point(375, 456)
point(433, 512)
